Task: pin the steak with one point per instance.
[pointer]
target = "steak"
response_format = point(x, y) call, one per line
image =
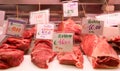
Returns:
point(42, 54)
point(71, 58)
point(16, 43)
point(69, 26)
point(99, 52)
point(10, 58)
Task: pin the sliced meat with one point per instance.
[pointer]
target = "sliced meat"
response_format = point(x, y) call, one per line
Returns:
point(99, 52)
point(10, 58)
point(71, 58)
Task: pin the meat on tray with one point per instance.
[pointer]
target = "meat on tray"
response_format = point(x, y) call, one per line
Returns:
point(16, 43)
point(42, 54)
point(71, 58)
point(99, 52)
point(10, 58)
point(70, 26)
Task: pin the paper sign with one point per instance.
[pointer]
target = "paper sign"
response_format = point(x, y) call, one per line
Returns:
point(93, 26)
point(45, 31)
point(70, 9)
point(15, 27)
point(63, 42)
point(2, 16)
point(39, 17)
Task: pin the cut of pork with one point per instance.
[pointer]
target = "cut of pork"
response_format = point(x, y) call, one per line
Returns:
point(71, 58)
point(10, 58)
point(99, 52)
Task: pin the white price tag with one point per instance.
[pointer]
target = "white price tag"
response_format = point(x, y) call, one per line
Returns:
point(70, 9)
point(39, 17)
point(15, 27)
point(45, 31)
point(93, 26)
point(2, 16)
point(63, 42)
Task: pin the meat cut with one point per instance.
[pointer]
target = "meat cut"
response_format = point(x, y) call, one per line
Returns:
point(42, 53)
point(71, 58)
point(99, 52)
point(16, 43)
point(70, 26)
point(10, 58)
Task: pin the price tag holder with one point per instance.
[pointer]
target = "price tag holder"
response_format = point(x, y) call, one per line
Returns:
point(2, 16)
point(15, 27)
point(93, 26)
point(45, 31)
point(63, 42)
point(70, 9)
point(40, 17)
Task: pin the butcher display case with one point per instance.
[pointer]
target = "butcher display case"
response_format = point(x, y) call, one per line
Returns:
point(38, 54)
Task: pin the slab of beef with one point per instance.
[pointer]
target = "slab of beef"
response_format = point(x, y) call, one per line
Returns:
point(16, 43)
point(10, 58)
point(29, 33)
point(42, 54)
point(71, 58)
point(99, 52)
point(70, 26)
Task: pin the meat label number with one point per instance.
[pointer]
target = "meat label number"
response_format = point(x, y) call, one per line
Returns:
point(15, 29)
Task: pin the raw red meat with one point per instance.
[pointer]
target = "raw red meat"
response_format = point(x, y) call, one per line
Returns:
point(99, 52)
point(29, 33)
point(10, 58)
point(42, 53)
point(16, 43)
point(70, 26)
point(71, 58)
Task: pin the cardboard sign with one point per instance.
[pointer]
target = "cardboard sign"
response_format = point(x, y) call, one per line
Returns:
point(93, 26)
point(63, 42)
point(15, 27)
point(70, 9)
point(45, 31)
point(2, 16)
point(39, 17)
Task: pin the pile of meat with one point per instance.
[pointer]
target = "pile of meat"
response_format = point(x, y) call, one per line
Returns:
point(69, 26)
point(42, 53)
point(99, 52)
point(12, 50)
point(10, 58)
point(71, 58)
point(16, 43)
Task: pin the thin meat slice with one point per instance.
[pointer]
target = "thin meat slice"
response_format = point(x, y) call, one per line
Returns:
point(42, 57)
point(71, 58)
point(99, 52)
point(10, 58)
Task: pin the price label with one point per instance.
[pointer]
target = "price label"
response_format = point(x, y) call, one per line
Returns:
point(15, 27)
point(39, 17)
point(45, 31)
point(2, 16)
point(70, 9)
point(93, 26)
point(63, 42)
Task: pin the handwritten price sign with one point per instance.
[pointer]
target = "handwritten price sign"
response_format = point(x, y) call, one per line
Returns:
point(39, 17)
point(93, 26)
point(70, 9)
point(15, 27)
point(45, 31)
point(63, 42)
